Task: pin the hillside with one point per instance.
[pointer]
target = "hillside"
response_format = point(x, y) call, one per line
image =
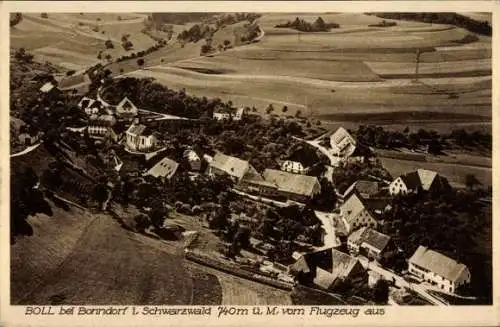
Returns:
point(351, 69)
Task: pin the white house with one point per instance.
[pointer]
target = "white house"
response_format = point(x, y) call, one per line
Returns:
point(438, 269)
point(221, 115)
point(138, 138)
point(294, 167)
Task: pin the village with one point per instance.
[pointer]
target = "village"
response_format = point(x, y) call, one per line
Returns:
point(338, 250)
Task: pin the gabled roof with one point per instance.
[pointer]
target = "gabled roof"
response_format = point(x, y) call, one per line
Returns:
point(164, 168)
point(370, 237)
point(342, 141)
point(138, 129)
point(427, 177)
point(85, 102)
point(230, 165)
point(364, 188)
point(352, 207)
point(437, 263)
point(126, 106)
point(291, 183)
point(420, 179)
point(329, 265)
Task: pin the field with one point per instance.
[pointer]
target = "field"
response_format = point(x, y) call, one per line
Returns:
point(352, 69)
point(73, 41)
point(454, 172)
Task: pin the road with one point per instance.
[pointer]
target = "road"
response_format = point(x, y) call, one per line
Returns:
point(26, 151)
point(401, 282)
point(330, 238)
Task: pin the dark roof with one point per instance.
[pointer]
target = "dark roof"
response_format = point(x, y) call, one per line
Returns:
point(370, 237)
point(364, 188)
point(411, 180)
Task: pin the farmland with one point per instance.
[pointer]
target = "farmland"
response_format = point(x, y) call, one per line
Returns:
point(73, 41)
point(351, 69)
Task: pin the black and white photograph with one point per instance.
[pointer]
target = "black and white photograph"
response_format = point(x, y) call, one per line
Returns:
point(251, 158)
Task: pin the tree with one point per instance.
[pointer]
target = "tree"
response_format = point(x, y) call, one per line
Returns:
point(108, 57)
point(381, 292)
point(284, 109)
point(298, 113)
point(226, 43)
point(15, 18)
point(109, 44)
point(471, 181)
point(140, 62)
point(141, 222)
point(44, 15)
point(270, 108)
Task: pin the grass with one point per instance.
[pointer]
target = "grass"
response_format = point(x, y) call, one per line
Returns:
point(107, 265)
point(455, 173)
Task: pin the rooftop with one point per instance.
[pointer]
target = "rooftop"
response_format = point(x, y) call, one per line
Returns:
point(292, 183)
point(164, 168)
point(231, 165)
point(437, 263)
point(370, 237)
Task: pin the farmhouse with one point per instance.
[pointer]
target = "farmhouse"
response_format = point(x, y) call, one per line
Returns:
point(438, 269)
point(126, 109)
point(354, 213)
point(79, 84)
point(193, 159)
point(222, 114)
point(371, 244)
point(417, 181)
point(294, 167)
point(139, 137)
point(295, 187)
point(164, 168)
point(236, 168)
point(325, 268)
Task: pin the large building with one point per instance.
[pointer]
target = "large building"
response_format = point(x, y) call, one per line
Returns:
point(438, 269)
point(139, 138)
point(326, 268)
point(371, 244)
point(417, 181)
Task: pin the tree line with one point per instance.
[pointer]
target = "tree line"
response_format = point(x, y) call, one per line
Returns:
point(301, 25)
point(449, 18)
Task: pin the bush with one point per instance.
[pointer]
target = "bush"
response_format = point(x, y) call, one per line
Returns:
point(140, 62)
point(109, 44)
point(44, 15)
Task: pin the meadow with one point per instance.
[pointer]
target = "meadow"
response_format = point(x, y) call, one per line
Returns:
point(352, 69)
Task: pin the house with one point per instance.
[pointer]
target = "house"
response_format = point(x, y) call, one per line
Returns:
point(28, 138)
point(236, 168)
point(295, 187)
point(126, 109)
point(371, 244)
point(139, 138)
point(222, 114)
point(417, 181)
point(294, 167)
point(365, 189)
point(326, 268)
point(193, 159)
point(342, 143)
point(48, 88)
point(78, 84)
point(438, 269)
point(164, 168)
point(354, 213)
